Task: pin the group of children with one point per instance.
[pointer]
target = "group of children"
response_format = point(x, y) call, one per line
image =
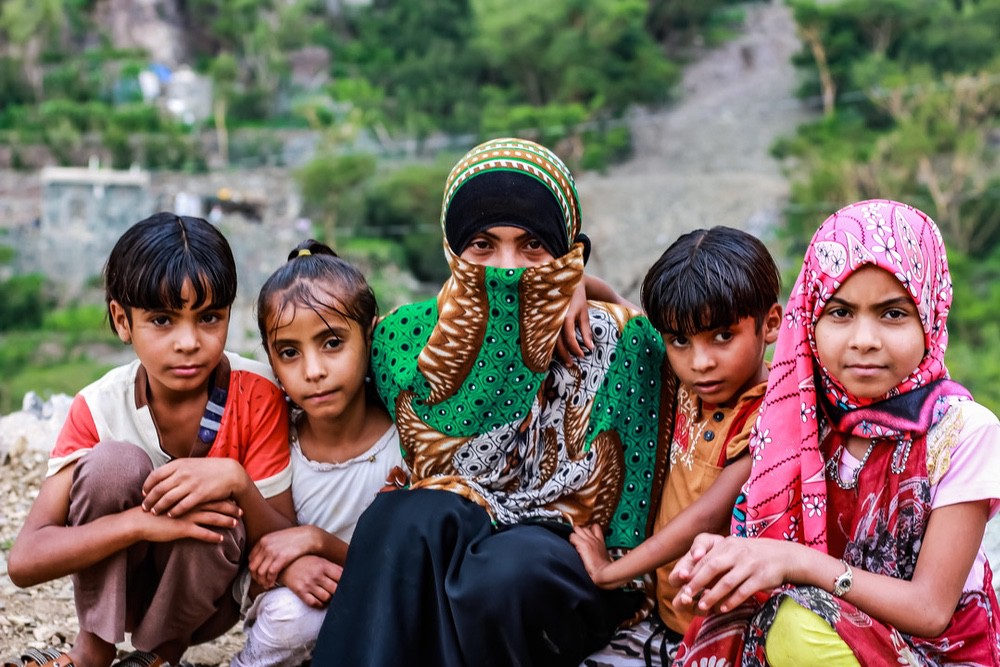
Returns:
point(825, 507)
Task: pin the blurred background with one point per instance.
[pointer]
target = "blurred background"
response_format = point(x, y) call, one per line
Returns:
point(339, 119)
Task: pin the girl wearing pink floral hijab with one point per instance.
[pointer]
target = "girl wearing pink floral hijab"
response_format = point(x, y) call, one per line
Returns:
point(858, 537)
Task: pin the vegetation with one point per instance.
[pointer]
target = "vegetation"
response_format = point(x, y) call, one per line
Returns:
point(911, 97)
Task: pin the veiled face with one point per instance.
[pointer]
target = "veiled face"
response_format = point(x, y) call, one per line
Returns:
point(504, 247)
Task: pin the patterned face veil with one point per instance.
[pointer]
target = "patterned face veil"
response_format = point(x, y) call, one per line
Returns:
point(483, 408)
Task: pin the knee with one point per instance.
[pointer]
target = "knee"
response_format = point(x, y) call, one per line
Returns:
point(798, 636)
point(409, 520)
point(284, 620)
point(109, 478)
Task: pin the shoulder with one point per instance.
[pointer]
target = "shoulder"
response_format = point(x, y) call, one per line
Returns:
point(112, 390)
point(968, 435)
point(418, 312)
point(250, 369)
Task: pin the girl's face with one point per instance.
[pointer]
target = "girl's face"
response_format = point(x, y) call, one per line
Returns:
point(504, 247)
point(320, 359)
point(869, 335)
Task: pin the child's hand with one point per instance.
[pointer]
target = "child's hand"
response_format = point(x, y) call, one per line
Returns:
point(276, 551)
point(197, 524)
point(183, 484)
point(577, 319)
point(719, 573)
point(589, 543)
point(396, 479)
point(313, 579)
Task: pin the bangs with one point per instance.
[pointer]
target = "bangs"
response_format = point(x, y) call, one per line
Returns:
point(160, 285)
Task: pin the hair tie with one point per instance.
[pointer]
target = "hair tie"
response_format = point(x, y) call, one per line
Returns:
point(303, 252)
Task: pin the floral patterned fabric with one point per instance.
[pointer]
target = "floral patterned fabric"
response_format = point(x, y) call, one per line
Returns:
point(807, 416)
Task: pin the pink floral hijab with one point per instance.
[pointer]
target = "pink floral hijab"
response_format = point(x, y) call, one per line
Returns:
point(785, 497)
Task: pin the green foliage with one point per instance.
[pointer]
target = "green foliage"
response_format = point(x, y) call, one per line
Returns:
point(678, 23)
point(594, 53)
point(418, 54)
point(405, 205)
point(60, 378)
point(915, 120)
point(14, 88)
point(331, 187)
point(77, 320)
point(23, 302)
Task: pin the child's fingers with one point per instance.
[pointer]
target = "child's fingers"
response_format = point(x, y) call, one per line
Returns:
point(227, 507)
point(209, 518)
point(563, 354)
point(596, 531)
point(583, 326)
point(684, 568)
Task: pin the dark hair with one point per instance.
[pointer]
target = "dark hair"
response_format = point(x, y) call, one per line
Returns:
point(150, 263)
point(709, 279)
point(315, 277)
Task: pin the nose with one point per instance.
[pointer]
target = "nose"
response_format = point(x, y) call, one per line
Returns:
point(702, 359)
point(865, 334)
point(314, 368)
point(186, 339)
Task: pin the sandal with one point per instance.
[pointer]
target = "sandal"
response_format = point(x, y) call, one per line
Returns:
point(46, 657)
point(141, 659)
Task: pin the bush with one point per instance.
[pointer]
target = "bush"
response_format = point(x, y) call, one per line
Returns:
point(23, 302)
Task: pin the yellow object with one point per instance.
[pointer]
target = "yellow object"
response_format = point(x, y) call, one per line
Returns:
point(800, 637)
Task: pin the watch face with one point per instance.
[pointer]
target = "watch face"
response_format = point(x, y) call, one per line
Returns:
point(842, 584)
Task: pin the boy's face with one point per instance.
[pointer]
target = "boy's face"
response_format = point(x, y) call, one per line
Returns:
point(504, 247)
point(721, 364)
point(179, 348)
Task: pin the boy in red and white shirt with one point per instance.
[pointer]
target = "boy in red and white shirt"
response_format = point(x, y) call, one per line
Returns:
point(168, 469)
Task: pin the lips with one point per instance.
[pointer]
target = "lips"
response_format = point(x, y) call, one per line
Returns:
point(185, 371)
point(321, 396)
point(866, 370)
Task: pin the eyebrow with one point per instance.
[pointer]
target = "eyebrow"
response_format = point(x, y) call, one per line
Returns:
point(524, 233)
point(337, 332)
point(895, 301)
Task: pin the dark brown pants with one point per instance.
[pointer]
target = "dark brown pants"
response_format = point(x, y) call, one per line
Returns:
point(158, 591)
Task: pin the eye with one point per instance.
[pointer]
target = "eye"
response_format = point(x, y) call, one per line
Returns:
point(160, 320)
point(723, 336)
point(287, 353)
point(837, 312)
point(332, 343)
point(533, 245)
point(678, 341)
point(479, 244)
point(896, 314)
point(211, 318)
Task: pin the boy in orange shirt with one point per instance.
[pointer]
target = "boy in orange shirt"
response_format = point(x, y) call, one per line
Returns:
point(713, 294)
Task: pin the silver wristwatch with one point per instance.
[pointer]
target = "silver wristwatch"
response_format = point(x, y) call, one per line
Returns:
point(842, 584)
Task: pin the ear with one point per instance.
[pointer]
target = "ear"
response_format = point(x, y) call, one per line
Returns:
point(120, 319)
point(772, 323)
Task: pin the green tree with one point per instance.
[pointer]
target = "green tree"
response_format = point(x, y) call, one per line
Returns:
point(331, 187)
point(28, 25)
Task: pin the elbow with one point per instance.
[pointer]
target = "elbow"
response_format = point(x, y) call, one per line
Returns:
point(932, 621)
point(19, 570)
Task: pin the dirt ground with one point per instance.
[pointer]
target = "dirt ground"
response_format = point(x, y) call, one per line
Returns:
point(701, 163)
